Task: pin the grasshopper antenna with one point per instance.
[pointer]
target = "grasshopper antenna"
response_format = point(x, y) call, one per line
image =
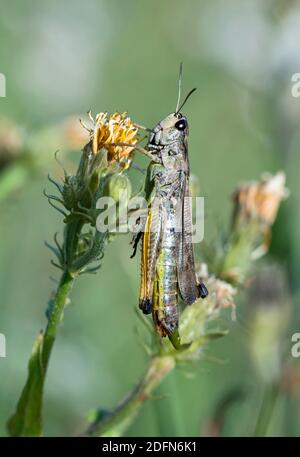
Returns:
point(186, 99)
point(179, 87)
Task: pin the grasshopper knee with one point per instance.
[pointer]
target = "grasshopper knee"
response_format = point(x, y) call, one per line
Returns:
point(203, 292)
point(146, 306)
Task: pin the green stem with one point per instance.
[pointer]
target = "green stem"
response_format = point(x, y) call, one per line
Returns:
point(114, 424)
point(55, 317)
point(71, 237)
point(72, 232)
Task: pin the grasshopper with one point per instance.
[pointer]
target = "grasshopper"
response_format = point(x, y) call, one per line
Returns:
point(167, 258)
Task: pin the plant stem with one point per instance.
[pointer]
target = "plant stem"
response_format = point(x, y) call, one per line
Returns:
point(114, 424)
point(59, 302)
point(72, 232)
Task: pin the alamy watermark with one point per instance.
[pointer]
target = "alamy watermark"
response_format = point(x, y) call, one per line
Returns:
point(295, 90)
point(295, 351)
point(2, 85)
point(2, 345)
point(174, 215)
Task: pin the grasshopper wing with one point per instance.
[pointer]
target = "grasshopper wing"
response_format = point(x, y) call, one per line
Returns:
point(187, 281)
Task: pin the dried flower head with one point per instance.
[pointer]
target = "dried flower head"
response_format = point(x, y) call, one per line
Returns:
point(261, 200)
point(223, 293)
point(109, 131)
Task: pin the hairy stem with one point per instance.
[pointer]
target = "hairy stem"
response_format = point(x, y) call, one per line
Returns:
point(55, 317)
point(72, 232)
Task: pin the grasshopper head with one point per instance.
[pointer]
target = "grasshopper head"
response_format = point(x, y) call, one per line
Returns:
point(173, 128)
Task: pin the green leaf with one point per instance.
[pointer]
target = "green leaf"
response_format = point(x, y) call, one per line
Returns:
point(27, 419)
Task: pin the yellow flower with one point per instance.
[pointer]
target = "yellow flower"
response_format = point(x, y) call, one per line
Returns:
point(111, 130)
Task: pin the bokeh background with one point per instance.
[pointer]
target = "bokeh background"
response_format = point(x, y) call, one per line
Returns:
point(62, 58)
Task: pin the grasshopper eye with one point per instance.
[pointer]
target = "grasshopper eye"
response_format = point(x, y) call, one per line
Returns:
point(181, 125)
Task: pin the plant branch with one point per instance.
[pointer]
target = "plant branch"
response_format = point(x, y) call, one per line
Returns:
point(116, 422)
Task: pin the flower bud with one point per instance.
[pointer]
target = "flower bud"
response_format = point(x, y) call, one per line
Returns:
point(118, 187)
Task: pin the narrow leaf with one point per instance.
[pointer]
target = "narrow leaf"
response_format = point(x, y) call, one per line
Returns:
point(27, 419)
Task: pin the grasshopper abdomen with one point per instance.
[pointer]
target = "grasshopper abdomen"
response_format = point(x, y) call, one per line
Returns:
point(165, 298)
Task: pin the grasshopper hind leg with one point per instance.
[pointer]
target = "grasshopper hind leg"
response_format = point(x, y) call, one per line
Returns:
point(145, 304)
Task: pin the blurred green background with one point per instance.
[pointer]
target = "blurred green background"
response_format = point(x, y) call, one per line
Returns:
point(65, 57)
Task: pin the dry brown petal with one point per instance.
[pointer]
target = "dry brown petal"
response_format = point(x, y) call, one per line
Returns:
point(261, 199)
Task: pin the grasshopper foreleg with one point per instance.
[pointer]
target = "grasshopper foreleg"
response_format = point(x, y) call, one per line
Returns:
point(135, 242)
point(144, 151)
